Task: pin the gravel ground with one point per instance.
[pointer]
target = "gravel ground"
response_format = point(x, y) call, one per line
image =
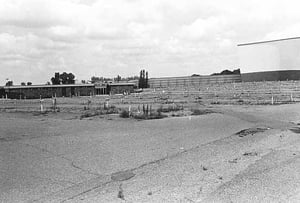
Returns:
point(58, 158)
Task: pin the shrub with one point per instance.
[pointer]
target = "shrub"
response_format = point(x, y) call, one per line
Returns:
point(170, 108)
point(111, 111)
point(89, 114)
point(157, 115)
point(124, 114)
point(196, 112)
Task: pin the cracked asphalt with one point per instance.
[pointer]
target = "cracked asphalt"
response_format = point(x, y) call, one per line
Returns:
point(185, 159)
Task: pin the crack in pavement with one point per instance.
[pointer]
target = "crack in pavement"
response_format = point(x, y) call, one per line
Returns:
point(158, 161)
point(53, 180)
point(248, 174)
point(87, 191)
point(64, 158)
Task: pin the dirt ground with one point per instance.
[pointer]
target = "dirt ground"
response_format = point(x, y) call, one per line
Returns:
point(240, 153)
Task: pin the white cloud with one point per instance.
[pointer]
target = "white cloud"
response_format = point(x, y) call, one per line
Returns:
point(121, 36)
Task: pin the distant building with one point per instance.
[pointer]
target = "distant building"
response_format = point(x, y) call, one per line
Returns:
point(273, 60)
point(120, 88)
point(47, 91)
point(192, 81)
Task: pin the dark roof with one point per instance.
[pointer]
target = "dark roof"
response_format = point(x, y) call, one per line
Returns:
point(276, 40)
point(46, 86)
point(121, 84)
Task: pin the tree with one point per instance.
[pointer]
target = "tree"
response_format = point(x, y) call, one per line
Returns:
point(56, 79)
point(64, 78)
point(237, 72)
point(95, 79)
point(143, 80)
point(146, 80)
point(23, 83)
point(30, 83)
point(71, 78)
point(9, 83)
point(118, 78)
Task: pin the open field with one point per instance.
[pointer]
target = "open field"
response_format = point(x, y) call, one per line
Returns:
point(252, 93)
point(215, 145)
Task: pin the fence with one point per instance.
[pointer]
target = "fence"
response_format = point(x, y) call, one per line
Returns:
point(192, 81)
point(227, 93)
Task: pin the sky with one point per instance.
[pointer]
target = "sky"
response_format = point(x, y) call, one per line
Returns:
point(120, 37)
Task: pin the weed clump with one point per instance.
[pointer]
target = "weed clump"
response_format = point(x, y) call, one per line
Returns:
point(124, 114)
point(155, 115)
point(170, 108)
point(196, 112)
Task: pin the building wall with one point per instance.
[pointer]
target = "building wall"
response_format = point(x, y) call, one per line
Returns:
point(194, 81)
point(47, 92)
point(271, 76)
point(270, 56)
point(120, 89)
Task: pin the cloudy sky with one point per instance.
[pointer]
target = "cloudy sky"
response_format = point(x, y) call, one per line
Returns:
point(110, 37)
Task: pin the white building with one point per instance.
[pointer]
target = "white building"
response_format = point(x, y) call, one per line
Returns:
point(275, 55)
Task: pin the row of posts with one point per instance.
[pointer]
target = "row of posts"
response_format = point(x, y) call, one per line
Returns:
point(106, 104)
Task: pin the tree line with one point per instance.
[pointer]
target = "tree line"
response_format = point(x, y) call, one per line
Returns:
point(64, 78)
point(143, 81)
point(69, 78)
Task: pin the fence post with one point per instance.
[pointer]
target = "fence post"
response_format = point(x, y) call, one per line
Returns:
point(272, 100)
point(54, 104)
point(129, 110)
point(41, 103)
point(139, 109)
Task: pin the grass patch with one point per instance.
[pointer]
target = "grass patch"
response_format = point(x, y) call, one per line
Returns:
point(170, 108)
point(251, 131)
point(93, 113)
point(124, 114)
point(89, 114)
point(197, 112)
point(157, 115)
point(295, 129)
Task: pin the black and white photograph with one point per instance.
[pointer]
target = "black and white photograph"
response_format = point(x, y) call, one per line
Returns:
point(149, 101)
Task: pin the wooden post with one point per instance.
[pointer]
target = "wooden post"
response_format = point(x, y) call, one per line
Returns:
point(54, 104)
point(129, 111)
point(41, 103)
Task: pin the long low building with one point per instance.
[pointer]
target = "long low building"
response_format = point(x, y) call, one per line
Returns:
point(47, 91)
point(273, 60)
point(281, 75)
point(70, 90)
